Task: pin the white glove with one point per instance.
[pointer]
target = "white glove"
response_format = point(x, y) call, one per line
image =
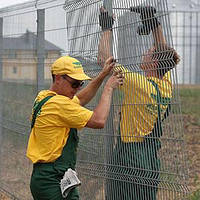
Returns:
point(68, 182)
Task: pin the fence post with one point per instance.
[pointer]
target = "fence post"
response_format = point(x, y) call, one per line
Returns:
point(109, 139)
point(40, 48)
point(1, 87)
point(1, 48)
point(197, 81)
point(197, 71)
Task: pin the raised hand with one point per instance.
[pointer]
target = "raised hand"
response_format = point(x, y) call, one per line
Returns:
point(115, 80)
point(109, 65)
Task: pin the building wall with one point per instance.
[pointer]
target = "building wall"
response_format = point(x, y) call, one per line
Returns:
point(22, 65)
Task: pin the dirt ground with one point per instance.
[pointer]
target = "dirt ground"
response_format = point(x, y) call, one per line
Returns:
point(4, 196)
point(190, 97)
point(192, 138)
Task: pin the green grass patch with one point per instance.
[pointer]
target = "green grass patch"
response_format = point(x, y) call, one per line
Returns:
point(190, 98)
point(195, 195)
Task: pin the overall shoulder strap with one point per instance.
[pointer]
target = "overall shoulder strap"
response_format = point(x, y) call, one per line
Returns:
point(166, 114)
point(38, 107)
point(157, 130)
point(158, 98)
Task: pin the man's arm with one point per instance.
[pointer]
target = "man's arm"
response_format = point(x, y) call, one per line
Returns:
point(104, 48)
point(104, 43)
point(87, 93)
point(161, 44)
point(161, 57)
point(101, 111)
point(159, 38)
point(104, 56)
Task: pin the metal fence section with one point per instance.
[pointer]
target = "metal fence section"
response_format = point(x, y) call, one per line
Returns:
point(34, 34)
point(185, 29)
point(16, 96)
point(103, 162)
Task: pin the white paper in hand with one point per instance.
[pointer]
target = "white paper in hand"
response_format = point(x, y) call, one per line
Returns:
point(69, 181)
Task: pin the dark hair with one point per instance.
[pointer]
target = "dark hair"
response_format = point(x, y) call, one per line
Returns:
point(167, 59)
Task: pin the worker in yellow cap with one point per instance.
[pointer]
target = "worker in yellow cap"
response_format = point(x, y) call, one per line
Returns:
point(57, 114)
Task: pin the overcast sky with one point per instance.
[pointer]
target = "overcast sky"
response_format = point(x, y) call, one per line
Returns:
point(5, 3)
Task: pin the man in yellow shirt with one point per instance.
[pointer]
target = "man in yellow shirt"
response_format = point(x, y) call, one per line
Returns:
point(146, 100)
point(57, 114)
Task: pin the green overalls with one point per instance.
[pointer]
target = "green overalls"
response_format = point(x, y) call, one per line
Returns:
point(138, 163)
point(45, 179)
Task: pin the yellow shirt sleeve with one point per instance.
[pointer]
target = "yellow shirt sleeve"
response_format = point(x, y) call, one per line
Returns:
point(65, 112)
point(76, 100)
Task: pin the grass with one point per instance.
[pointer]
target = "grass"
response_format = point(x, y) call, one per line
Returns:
point(190, 98)
point(195, 195)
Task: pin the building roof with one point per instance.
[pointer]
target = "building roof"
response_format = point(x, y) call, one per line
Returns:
point(27, 41)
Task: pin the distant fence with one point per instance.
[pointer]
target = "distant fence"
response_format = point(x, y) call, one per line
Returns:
point(186, 37)
point(33, 36)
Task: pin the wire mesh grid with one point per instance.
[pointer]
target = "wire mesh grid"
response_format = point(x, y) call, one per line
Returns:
point(19, 60)
point(105, 155)
point(106, 165)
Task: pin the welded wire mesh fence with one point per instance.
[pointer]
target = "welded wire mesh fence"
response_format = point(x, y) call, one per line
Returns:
point(29, 44)
point(114, 164)
point(185, 29)
point(33, 35)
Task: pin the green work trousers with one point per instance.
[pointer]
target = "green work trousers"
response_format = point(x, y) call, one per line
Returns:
point(46, 177)
point(136, 160)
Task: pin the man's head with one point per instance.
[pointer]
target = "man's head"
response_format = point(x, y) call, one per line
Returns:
point(68, 76)
point(158, 61)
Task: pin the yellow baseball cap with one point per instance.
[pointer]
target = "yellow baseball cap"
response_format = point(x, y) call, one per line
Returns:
point(69, 66)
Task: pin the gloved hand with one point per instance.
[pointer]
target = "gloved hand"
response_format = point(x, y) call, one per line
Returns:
point(105, 21)
point(149, 20)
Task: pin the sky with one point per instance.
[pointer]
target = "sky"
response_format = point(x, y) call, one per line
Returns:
point(5, 3)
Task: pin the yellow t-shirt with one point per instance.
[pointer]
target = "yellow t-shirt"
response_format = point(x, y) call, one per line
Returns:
point(51, 130)
point(139, 110)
